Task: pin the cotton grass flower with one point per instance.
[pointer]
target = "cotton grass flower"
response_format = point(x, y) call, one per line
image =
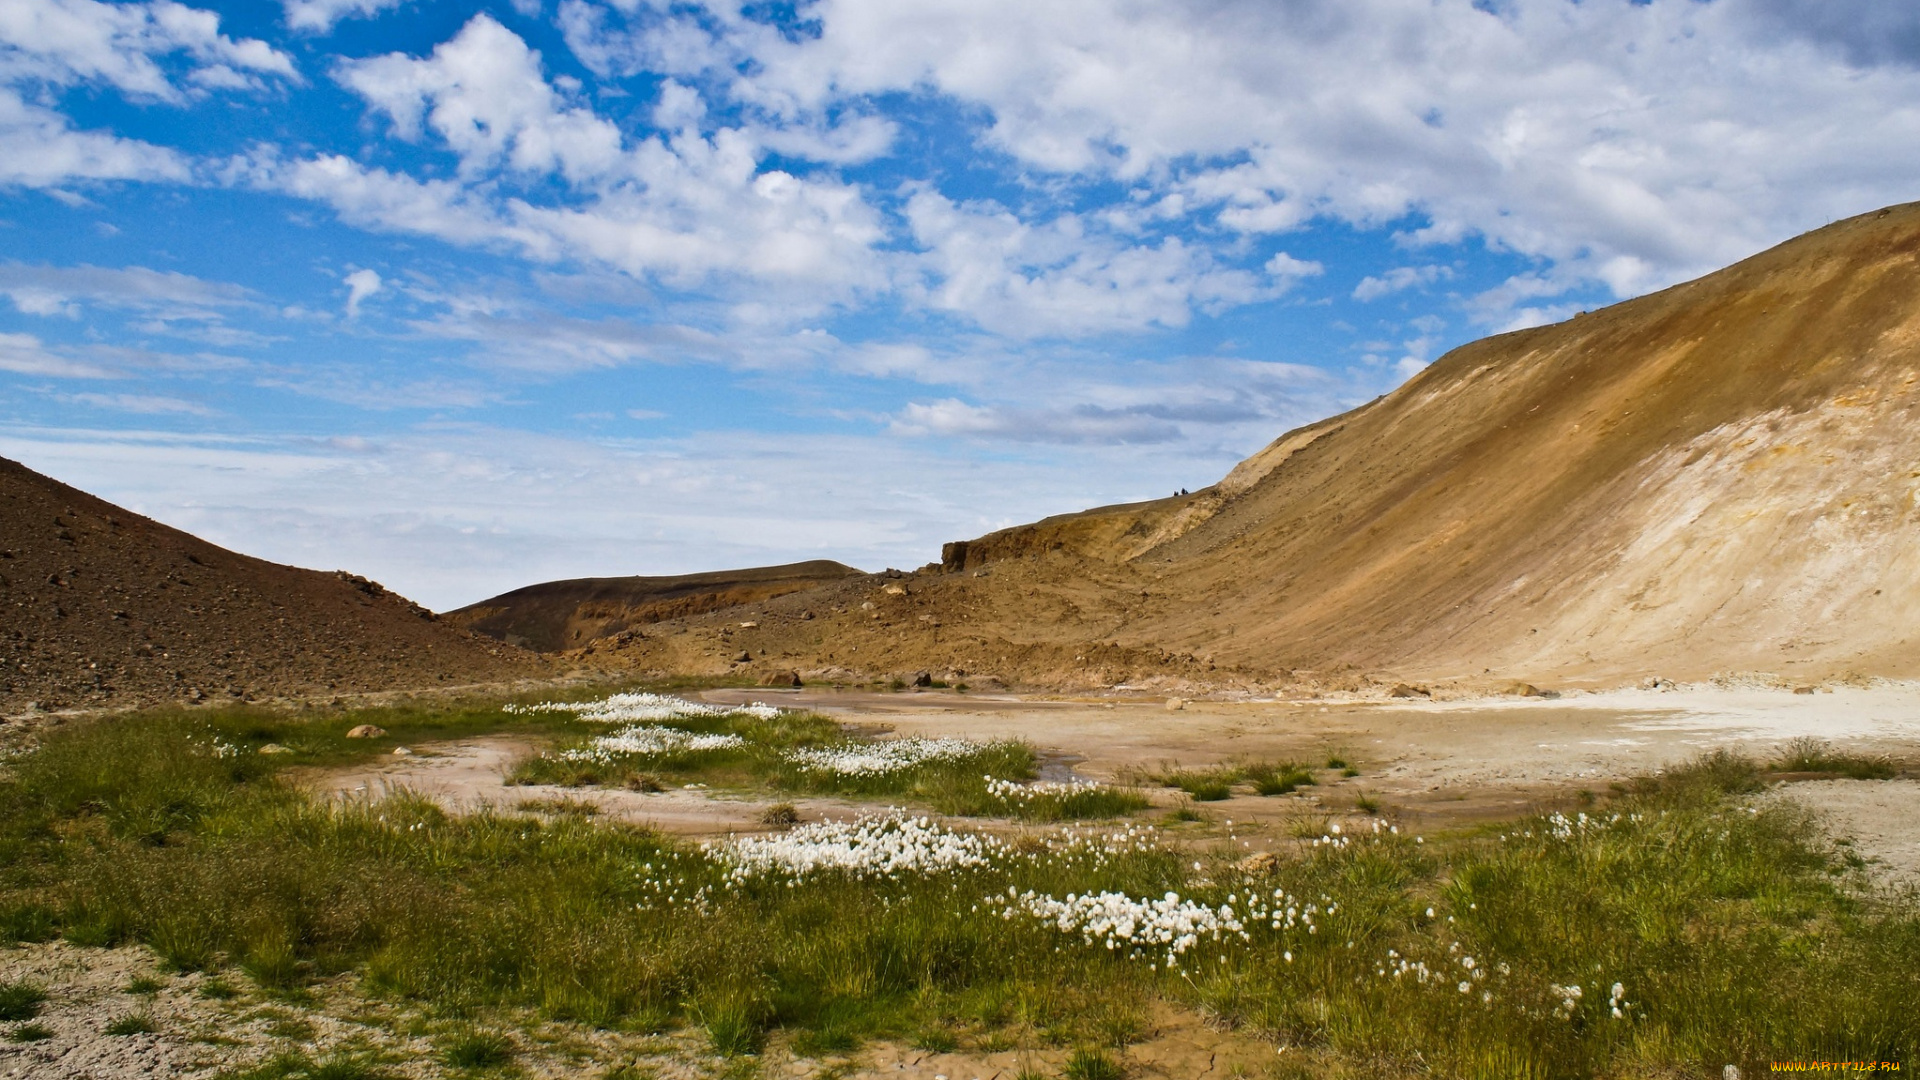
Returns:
point(1120, 923)
point(868, 847)
point(648, 741)
point(884, 758)
point(647, 708)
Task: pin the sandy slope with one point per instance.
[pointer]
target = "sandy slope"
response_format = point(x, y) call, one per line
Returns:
point(1721, 477)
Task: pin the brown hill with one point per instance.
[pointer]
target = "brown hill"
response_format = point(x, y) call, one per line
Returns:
point(102, 606)
point(1720, 477)
point(556, 615)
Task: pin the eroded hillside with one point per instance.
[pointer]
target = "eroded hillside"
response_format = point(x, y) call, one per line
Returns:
point(1720, 477)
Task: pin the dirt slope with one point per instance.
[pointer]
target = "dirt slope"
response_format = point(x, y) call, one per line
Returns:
point(555, 615)
point(100, 606)
point(1717, 478)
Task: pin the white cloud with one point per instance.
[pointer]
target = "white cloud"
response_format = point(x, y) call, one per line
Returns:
point(1398, 279)
point(1027, 280)
point(483, 93)
point(40, 149)
point(24, 354)
point(320, 15)
point(1287, 270)
point(47, 290)
point(146, 404)
point(73, 41)
point(1638, 143)
point(361, 284)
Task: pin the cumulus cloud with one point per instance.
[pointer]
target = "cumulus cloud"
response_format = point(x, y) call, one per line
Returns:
point(74, 41)
point(320, 15)
point(1397, 279)
point(1059, 278)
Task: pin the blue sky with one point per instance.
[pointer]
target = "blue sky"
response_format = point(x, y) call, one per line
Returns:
point(465, 296)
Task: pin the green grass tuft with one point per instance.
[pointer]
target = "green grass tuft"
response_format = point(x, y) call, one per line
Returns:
point(132, 1024)
point(476, 1048)
point(29, 1033)
point(1808, 754)
point(21, 1000)
point(1092, 1065)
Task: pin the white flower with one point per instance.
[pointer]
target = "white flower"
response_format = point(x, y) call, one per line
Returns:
point(866, 847)
point(881, 758)
point(1118, 921)
point(648, 740)
point(638, 708)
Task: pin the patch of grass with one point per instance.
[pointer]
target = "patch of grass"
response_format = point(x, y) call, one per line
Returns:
point(21, 1000)
point(1086, 1064)
point(299, 1066)
point(1366, 804)
point(1279, 778)
point(27, 1033)
point(218, 990)
point(935, 1040)
point(476, 1048)
point(1202, 785)
point(131, 1024)
point(143, 985)
point(562, 805)
point(1808, 754)
point(1183, 813)
point(780, 814)
point(1335, 761)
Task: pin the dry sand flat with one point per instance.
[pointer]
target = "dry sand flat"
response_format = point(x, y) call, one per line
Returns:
point(1429, 765)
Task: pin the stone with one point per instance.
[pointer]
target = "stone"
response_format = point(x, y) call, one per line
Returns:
point(274, 748)
point(1402, 690)
point(1260, 862)
point(743, 658)
point(366, 731)
point(1175, 704)
point(1803, 689)
point(780, 678)
point(922, 678)
point(895, 589)
point(401, 751)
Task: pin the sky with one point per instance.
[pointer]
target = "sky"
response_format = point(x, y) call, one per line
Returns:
point(468, 296)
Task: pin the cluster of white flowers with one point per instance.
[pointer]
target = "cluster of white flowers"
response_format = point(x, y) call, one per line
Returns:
point(1472, 972)
point(1558, 826)
point(669, 885)
point(1569, 996)
point(1014, 791)
point(1618, 1001)
point(646, 708)
point(882, 758)
point(224, 749)
point(648, 740)
point(868, 847)
point(1120, 922)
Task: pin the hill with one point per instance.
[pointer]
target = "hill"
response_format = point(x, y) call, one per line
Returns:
point(556, 615)
point(104, 606)
point(1721, 477)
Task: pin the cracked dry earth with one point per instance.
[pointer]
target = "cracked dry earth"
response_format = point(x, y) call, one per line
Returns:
point(206, 1026)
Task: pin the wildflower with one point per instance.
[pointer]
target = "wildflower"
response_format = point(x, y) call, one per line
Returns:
point(881, 758)
point(866, 847)
point(638, 708)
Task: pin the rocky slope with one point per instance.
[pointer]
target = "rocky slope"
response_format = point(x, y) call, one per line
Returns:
point(557, 615)
point(1723, 477)
point(100, 606)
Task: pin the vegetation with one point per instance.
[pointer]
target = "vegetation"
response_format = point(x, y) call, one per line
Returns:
point(1811, 755)
point(1679, 922)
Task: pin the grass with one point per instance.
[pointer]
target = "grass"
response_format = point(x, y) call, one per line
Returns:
point(1092, 1065)
point(131, 1024)
point(1810, 755)
point(1734, 931)
point(30, 1033)
point(21, 1000)
point(143, 985)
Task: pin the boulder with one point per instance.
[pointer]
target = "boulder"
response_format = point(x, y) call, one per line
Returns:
point(366, 731)
point(274, 748)
point(922, 678)
point(1175, 704)
point(1402, 690)
point(780, 678)
point(743, 658)
point(1260, 862)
